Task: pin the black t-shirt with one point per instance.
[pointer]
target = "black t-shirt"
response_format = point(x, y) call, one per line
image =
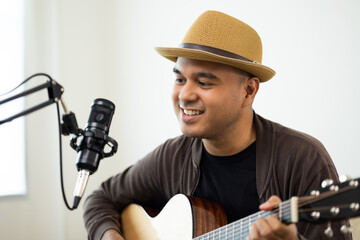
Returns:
point(230, 181)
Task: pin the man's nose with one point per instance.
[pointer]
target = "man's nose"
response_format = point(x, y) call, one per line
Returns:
point(188, 92)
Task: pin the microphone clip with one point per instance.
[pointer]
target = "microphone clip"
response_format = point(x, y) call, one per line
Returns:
point(69, 124)
point(96, 135)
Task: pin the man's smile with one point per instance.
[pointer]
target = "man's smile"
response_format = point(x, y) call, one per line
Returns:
point(192, 112)
point(189, 116)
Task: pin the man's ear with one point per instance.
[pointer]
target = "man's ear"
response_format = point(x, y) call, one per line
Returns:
point(251, 85)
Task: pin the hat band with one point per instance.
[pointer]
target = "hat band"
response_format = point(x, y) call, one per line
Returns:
point(213, 50)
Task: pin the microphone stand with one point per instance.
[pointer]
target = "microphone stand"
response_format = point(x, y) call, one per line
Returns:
point(55, 90)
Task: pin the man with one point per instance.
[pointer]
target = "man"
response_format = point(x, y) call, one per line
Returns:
point(228, 153)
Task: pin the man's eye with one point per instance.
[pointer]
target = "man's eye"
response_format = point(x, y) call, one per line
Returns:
point(204, 84)
point(179, 80)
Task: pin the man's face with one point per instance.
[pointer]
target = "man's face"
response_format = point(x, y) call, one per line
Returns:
point(208, 98)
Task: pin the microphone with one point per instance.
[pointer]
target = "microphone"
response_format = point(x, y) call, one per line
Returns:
point(91, 148)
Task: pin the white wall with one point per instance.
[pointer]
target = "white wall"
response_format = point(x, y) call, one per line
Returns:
point(105, 49)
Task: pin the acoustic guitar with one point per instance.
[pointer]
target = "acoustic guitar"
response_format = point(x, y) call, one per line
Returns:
point(185, 217)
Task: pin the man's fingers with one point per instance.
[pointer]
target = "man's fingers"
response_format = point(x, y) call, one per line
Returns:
point(271, 229)
point(271, 203)
point(261, 229)
point(265, 228)
point(254, 233)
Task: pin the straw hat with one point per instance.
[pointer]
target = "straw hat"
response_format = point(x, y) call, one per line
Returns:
point(218, 37)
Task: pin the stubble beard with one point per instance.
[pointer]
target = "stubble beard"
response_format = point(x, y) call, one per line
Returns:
point(219, 130)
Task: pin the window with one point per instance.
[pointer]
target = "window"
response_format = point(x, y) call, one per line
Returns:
point(12, 147)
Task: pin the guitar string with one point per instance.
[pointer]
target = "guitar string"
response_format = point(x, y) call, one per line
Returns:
point(243, 229)
point(234, 230)
point(309, 199)
point(247, 221)
point(342, 206)
point(238, 232)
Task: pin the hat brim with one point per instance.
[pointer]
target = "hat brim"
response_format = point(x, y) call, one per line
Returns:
point(263, 72)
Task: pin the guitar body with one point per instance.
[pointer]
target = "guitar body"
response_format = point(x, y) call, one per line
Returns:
point(182, 218)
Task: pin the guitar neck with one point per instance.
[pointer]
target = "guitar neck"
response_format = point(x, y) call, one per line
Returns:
point(287, 212)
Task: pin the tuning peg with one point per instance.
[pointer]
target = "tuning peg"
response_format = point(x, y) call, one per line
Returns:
point(335, 211)
point(326, 183)
point(344, 178)
point(315, 215)
point(354, 206)
point(346, 229)
point(354, 183)
point(328, 231)
point(315, 193)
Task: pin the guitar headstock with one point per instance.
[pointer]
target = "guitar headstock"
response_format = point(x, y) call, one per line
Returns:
point(332, 201)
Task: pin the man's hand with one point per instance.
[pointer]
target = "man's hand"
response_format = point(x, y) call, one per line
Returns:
point(112, 234)
point(271, 228)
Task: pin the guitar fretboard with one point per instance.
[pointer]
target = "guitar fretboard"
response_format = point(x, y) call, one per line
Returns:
point(240, 229)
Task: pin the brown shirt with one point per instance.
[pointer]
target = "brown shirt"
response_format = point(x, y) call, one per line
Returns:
point(288, 163)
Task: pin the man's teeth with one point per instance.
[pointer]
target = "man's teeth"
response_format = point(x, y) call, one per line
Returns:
point(192, 112)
